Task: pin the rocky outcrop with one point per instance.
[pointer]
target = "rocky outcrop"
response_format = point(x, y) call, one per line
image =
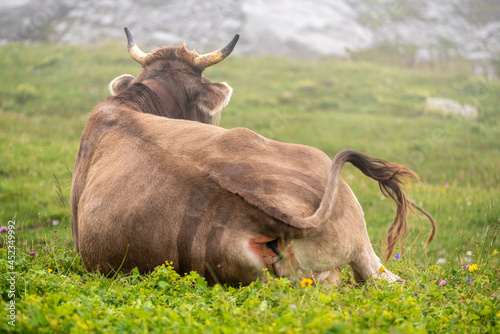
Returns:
point(297, 28)
point(450, 107)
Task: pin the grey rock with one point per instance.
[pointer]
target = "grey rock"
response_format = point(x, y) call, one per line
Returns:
point(448, 106)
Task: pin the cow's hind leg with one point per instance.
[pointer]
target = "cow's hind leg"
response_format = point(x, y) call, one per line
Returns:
point(367, 265)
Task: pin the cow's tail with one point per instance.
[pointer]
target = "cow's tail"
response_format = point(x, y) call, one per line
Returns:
point(390, 177)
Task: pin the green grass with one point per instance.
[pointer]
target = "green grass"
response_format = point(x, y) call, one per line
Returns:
point(47, 92)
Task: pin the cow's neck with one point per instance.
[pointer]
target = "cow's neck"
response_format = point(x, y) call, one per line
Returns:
point(150, 97)
point(173, 109)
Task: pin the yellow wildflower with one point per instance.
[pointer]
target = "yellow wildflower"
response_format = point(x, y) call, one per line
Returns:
point(443, 190)
point(495, 251)
point(50, 270)
point(306, 282)
point(473, 267)
point(381, 269)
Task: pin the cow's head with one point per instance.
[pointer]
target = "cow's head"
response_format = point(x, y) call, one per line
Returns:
point(175, 75)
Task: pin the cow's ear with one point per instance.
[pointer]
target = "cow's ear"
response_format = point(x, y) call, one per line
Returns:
point(119, 84)
point(214, 97)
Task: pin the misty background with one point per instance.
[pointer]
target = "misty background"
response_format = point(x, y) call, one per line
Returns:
point(419, 32)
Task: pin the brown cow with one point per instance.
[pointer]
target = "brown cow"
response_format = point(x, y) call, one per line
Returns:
point(225, 203)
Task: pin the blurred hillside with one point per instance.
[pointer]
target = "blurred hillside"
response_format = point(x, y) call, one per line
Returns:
point(421, 31)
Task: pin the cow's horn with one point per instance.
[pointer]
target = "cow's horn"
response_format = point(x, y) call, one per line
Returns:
point(133, 49)
point(215, 57)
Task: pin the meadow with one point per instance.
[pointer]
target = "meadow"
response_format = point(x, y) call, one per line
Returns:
point(48, 91)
